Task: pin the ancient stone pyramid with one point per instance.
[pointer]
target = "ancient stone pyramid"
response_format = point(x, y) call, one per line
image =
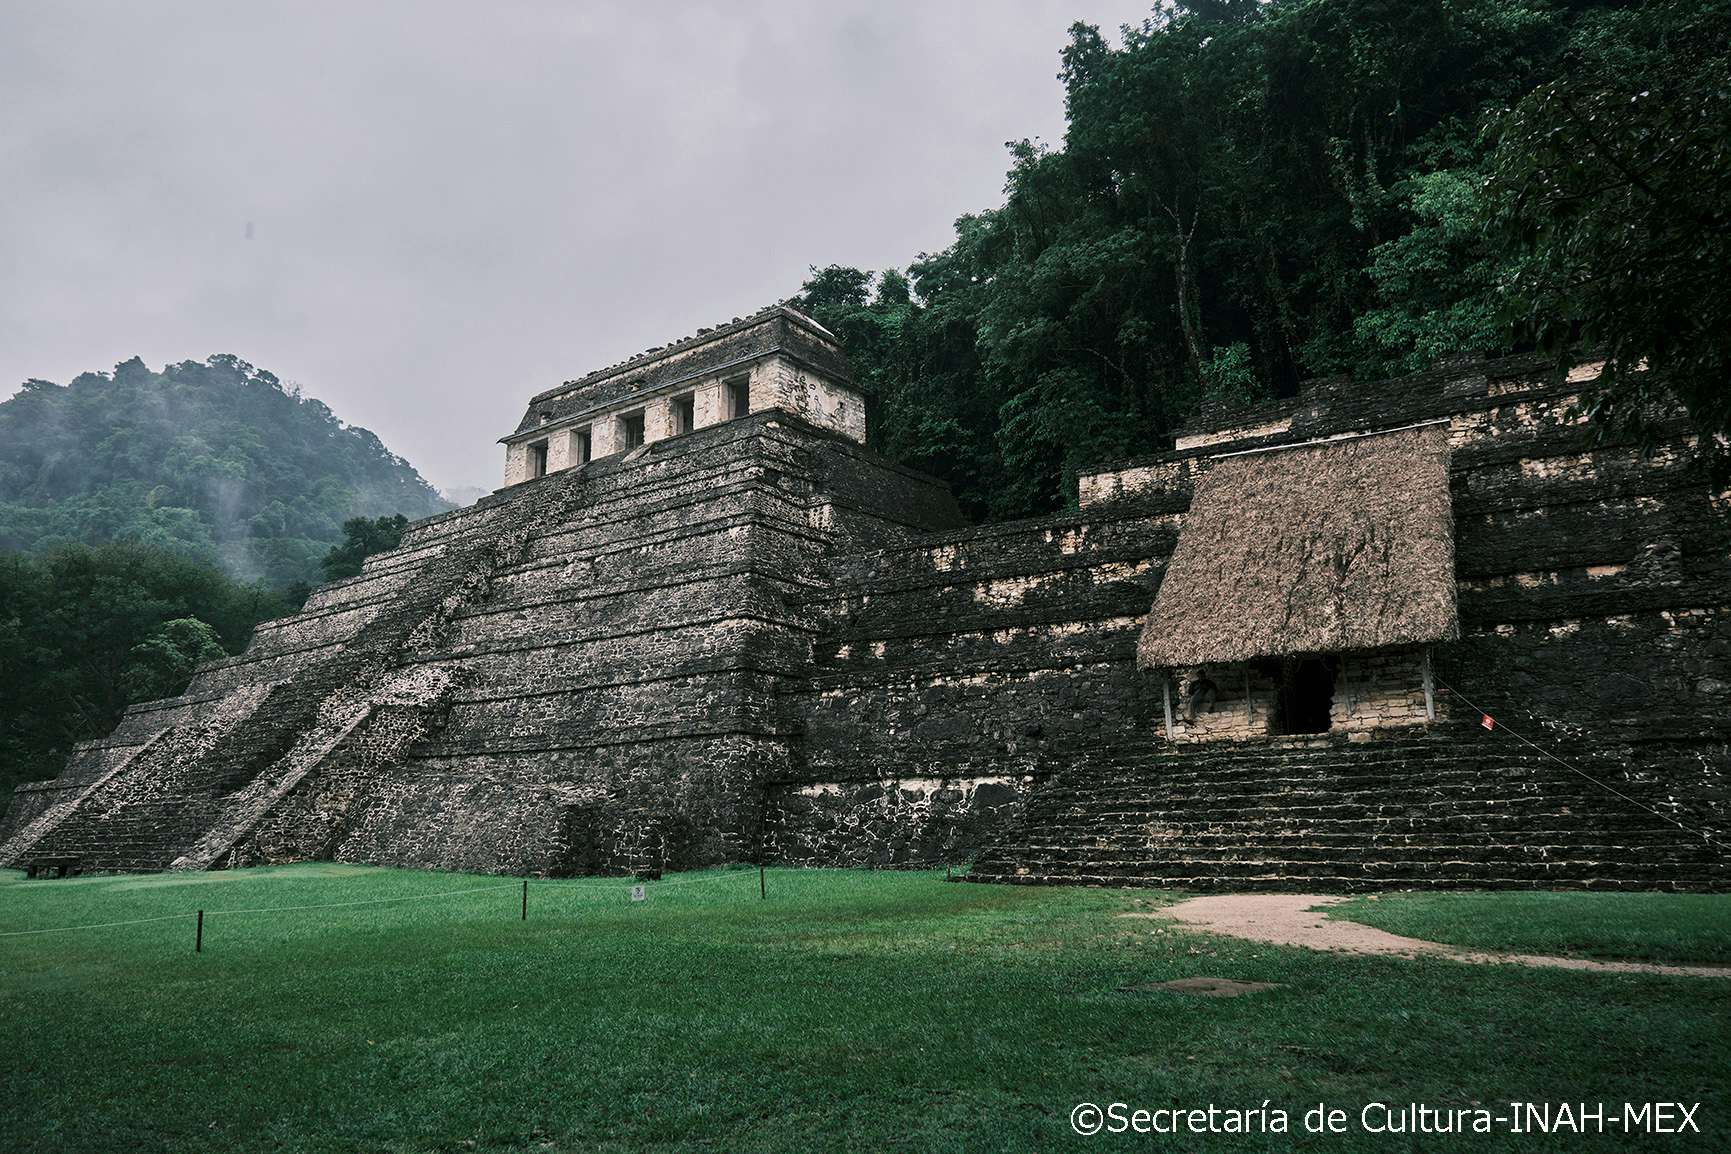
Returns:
point(750, 637)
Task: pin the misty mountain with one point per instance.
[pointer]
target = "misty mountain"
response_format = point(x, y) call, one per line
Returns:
point(217, 461)
point(462, 496)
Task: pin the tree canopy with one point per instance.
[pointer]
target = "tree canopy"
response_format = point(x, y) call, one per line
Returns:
point(1252, 193)
point(361, 539)
point(1613, 184)
point(163, 663)
point(217, 461)
point(84, 632)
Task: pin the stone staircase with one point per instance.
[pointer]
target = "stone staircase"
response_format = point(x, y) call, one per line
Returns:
point(364, 671)
point(158, 797)
point(17, 847)
point(184, 801)
point(1446, 810)
point(245, 809)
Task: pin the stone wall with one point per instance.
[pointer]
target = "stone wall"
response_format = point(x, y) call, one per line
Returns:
point(954, 671)
point(1594, 589)
point(578, 673)
point(1237, 701)
point(1595, 600)
point(1577, 560)
point(759, 640)
point(890, 822)
point(1378, 692)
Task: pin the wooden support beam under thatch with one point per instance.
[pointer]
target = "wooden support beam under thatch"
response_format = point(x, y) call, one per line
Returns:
point(1320, 548)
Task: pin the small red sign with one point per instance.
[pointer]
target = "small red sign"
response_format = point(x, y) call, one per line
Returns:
point(1485, 720)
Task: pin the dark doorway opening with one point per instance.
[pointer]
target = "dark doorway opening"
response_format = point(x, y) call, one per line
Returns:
point(738, 396)
point(631, 429)
point(1305, 696)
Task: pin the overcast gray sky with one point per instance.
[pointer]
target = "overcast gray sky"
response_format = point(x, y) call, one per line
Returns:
point(453, 206)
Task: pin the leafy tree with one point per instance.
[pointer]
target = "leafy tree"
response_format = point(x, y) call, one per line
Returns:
point(1614, 186)
point(162, 664)
point(361, 539)
point(85, 631)
point(1435, 284)
point(1207, 230)
point(217, 461)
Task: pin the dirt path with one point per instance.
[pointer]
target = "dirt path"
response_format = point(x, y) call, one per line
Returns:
point(1293, 920)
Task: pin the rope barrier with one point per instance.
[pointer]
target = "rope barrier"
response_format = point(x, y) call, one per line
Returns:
point(257, 910)
point(697, 881)
point(362, 902)
point(593, 885)
point(659, 883)
point(94, 926)
point(1703, 834)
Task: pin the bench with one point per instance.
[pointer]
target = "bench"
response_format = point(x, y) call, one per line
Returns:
point(62, 867)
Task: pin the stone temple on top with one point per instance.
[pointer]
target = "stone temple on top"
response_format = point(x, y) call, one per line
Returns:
point(1435, 631)
point(778, 359)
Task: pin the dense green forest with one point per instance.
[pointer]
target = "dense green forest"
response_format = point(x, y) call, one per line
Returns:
point(218, 462)
point(85, 631)
point(149, 520)
point(1250, 193)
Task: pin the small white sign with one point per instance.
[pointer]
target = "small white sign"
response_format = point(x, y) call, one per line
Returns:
point(637, 893)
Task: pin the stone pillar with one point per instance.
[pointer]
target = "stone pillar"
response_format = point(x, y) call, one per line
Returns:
point(605, 436)
point(710, 405)
point(516, 463)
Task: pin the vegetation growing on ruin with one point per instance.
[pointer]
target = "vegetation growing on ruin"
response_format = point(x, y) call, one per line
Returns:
point(1250, 193)
point(217, 461)
point(362, 537)
point(867, 1011)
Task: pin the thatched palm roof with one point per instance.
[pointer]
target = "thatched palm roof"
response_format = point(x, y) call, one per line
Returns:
point(1345, 545)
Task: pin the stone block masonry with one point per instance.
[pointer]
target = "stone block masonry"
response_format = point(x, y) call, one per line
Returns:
point(774, 359)
point(1594, 586)
point(756, 640)
point(579, 673)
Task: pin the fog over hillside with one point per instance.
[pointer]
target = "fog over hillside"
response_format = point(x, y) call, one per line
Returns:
point(217, 460)
point(435, 210)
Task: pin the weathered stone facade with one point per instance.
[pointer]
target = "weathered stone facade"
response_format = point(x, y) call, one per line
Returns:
point(756, 639)
point(777, 359)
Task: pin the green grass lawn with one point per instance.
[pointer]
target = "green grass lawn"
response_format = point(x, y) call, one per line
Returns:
point(1631, 927)
point(850, 1010)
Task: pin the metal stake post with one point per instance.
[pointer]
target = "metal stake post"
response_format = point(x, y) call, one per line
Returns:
point(1429, 698)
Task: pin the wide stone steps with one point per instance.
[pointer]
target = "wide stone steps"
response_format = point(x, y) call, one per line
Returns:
point(1199, 799)
point(1228, 851)
point(138, 818)
point(1440, 811)
point(21, 843)
point(247, 807)
point(1564, 875)
point(1491, 774)
point(1141, 826)
point(1258, 808)
point(1553, 871)
point(195, 794)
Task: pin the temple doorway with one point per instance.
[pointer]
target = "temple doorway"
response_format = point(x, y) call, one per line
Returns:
point(1306, 695)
